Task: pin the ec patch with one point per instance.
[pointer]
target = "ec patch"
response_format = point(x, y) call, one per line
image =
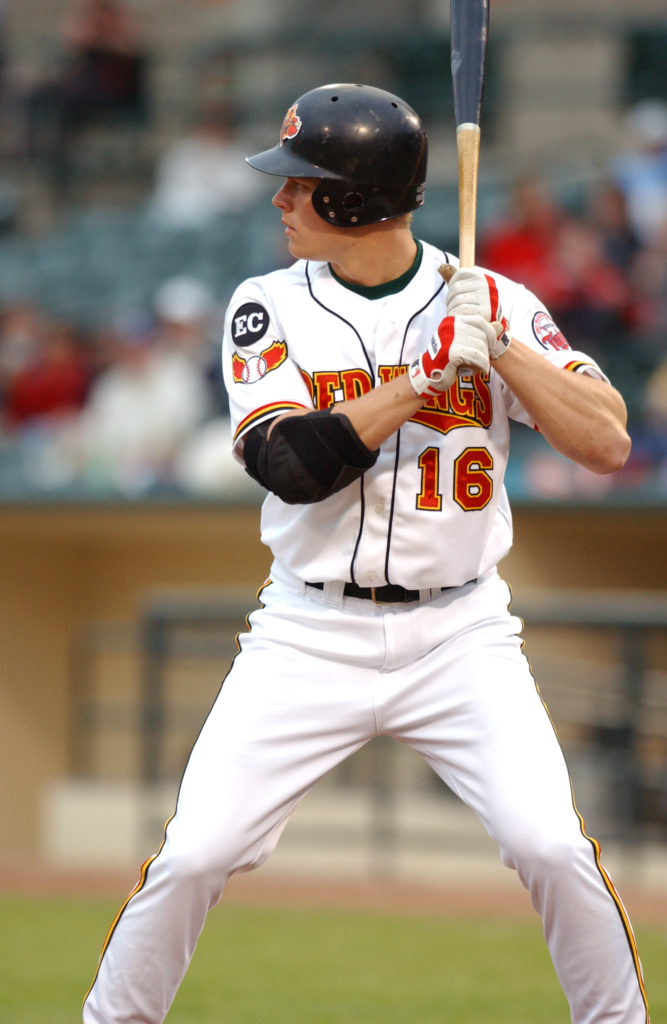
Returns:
point(249, 323)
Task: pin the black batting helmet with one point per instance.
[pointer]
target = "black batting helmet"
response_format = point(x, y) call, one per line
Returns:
point(368, 147)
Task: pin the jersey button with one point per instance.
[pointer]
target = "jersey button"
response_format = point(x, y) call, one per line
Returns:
point(379, 510)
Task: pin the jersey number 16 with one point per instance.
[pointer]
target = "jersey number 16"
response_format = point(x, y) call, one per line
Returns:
point(473, 483)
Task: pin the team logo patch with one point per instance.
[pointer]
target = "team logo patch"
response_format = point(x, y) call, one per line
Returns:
point(249, 371)
point(547, 333)
point(291, 125)
point(249, 324)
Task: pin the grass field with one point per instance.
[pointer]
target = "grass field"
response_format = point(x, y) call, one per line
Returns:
point(285, 965)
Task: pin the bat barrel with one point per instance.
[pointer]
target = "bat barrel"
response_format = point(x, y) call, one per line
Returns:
point(469, 37)
point(469, 26)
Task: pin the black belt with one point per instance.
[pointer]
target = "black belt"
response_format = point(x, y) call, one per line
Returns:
point(389, 594)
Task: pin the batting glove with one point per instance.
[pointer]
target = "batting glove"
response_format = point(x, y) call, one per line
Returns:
point(461, 341)
point(471, 291)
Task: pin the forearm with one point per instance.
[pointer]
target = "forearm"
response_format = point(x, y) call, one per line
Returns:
point(378, 414)
point(458, 342)
point(306, 456)
point(381, 412)
point(580, 416)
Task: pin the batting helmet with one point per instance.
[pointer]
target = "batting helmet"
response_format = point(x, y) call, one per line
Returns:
point(368, 147)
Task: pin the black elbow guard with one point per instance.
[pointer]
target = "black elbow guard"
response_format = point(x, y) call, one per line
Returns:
point(307, 458)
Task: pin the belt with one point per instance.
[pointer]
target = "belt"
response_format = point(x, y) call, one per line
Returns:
point(389, 594)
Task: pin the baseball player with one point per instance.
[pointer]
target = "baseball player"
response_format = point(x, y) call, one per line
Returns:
point(372, 400)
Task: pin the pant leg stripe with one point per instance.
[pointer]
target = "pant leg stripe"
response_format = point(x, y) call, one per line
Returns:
point(609, 885)
point(137, 888)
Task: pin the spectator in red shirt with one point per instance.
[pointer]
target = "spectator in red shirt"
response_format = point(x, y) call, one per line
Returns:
point(54, 384)
point(520, 244)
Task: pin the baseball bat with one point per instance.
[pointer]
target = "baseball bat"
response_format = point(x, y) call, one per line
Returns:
point(469, 31)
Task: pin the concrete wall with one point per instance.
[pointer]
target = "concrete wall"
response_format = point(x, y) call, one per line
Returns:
point(62, 568)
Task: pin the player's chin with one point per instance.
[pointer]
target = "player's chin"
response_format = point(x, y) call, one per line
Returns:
point(300, 250)
point(292, 242)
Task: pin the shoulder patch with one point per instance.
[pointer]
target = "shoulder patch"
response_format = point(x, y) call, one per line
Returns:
point(248, 371)
point(547, 333)
point(250, 322)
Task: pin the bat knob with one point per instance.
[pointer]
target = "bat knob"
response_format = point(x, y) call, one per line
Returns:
point(446, 271)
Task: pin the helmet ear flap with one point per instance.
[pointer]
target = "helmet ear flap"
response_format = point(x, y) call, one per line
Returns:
point(348, 204)
point(341, 203)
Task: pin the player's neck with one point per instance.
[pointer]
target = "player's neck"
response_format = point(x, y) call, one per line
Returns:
point(377, 257)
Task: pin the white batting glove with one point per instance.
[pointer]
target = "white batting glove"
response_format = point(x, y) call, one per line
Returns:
point(461, 341)
point(470, 291)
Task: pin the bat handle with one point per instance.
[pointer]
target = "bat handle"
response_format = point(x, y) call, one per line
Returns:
point(467, 145)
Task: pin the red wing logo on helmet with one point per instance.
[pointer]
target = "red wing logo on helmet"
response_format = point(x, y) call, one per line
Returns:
point(248, 371)
point(291, 125)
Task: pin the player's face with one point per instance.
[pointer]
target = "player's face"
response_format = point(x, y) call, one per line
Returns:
point(308, 236)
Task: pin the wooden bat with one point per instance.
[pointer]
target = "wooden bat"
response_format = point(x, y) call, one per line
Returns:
point(469, 29)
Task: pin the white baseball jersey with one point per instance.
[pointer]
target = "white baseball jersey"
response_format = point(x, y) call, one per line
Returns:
point(299, 337)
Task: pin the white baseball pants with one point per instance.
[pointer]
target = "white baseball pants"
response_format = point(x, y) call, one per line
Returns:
point(319, 675)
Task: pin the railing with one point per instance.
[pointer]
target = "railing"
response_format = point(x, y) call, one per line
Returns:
point(620, 712)
point(628, 619)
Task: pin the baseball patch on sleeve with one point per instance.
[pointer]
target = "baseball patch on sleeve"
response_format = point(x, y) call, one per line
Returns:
point(249, 324)
point(547, 333)
point(249, 371)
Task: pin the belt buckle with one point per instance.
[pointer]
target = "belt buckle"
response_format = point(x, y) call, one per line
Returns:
point(374, 599)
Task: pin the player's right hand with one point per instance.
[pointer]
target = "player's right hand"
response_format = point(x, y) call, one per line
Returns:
point(459, 342)
point(470, 291)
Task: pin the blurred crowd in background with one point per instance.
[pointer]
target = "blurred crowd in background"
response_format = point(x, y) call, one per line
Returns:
point(134, 405)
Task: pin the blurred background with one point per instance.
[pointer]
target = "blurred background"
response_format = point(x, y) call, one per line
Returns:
point(129, 538)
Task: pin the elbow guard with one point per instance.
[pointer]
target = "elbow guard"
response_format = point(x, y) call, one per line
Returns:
point(307, 458)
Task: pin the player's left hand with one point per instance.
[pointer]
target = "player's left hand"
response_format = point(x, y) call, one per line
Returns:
point(471, 292)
